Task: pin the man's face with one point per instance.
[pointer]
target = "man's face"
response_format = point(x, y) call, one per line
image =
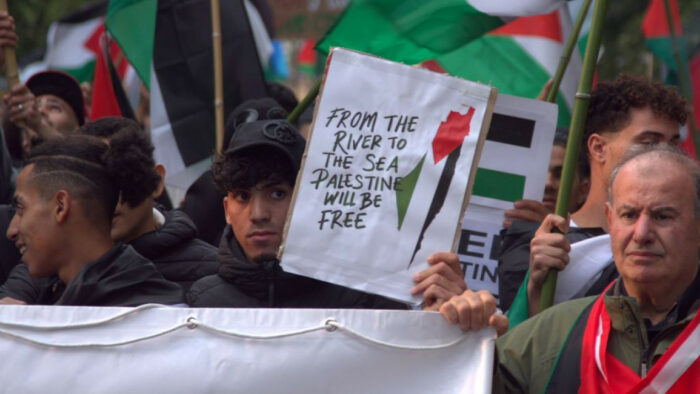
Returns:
point(257, 216)
point(57, 113)
point(32, 228)
point(654, 233)
point(551, 187)
point(129, 223)
point(644, 127)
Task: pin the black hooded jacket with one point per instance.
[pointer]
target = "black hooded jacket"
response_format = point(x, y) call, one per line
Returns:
point(176, 252)
point(173, 248)
point(240, 284)
point(120, 277)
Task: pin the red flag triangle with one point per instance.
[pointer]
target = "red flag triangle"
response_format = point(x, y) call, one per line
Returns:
point(544, 26)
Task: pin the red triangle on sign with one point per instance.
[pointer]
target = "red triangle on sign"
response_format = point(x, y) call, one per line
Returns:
point(545, 26)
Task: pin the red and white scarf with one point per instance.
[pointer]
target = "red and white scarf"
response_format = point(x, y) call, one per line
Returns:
point(676, 372)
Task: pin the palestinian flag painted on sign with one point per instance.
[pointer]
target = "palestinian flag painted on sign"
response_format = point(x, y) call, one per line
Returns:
point(169, 44)
point(517, 56)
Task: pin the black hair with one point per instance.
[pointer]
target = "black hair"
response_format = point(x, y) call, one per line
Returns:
point(93, 172)
point(561, 136)
point(142, 178)
point(243, 170)
point(611, 102)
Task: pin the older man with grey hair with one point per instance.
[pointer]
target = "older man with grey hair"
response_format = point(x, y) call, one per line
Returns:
point(643, 333)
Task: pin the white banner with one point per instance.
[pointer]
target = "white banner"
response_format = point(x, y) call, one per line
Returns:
point(154, 349)
point(386, 173)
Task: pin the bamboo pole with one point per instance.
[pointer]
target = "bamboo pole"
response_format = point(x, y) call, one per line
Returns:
point(682, 76)
point(10, 58)
point(218, 74)
point(573, 145)
point(299, 109)
point(568, 50)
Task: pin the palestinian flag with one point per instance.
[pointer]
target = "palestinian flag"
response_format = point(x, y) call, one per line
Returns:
point(657, 32)
point(454, 36)
point(687, 143)
point(168, 42)
point(71, 41)
point(658, 36)
point(108, 95)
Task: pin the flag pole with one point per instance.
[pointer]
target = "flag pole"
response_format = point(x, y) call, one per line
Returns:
point(218, 74)
point(573, 145)
point(682, 76)
point(10, 58)
point(568, 50)
point(305, 102)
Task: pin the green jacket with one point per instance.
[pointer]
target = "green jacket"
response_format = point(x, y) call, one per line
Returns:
point(526, 356)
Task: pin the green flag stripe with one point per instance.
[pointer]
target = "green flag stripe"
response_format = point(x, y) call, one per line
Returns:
point(408, 31)
point(509, 68)
point(83, 73)
point(404, 190)
point(132, 23)
point(498, 185)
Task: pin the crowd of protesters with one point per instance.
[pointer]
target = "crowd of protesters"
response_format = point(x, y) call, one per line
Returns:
point(82, 226)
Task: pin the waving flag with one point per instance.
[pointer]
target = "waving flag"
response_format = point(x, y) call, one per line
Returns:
point(456, 37)
point(169, 44)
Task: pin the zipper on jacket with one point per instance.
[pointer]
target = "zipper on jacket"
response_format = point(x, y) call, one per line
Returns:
point(270, 271)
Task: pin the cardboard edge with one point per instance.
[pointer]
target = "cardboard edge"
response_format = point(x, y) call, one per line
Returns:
point(292, 203)
point(485, 126)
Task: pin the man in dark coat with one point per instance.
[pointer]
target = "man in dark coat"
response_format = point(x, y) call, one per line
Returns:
point(257, 174)
point(65, 199)
point(167, 238)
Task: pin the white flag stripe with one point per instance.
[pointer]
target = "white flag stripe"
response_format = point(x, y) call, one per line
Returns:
point(515, 8)
point(684, 357)
point(65, 44)
point(166, 151)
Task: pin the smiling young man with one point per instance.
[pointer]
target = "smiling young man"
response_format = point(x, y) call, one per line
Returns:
point(65, 199)
point(257, 173)
point(167, 238)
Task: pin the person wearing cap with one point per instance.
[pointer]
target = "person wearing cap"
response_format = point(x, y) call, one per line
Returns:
point(49, 104)
point(203, 198)
point(257, 174)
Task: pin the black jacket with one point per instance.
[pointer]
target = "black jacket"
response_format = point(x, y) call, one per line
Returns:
point(120, 277)
point(175, 251)
point(514, 257)
point(240, 284)
point(9, 255)
point(203, 204)
point(173, 248)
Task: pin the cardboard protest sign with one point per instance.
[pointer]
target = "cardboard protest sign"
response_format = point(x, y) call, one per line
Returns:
point(154, 349)
point(386, 173)
point(513, 166)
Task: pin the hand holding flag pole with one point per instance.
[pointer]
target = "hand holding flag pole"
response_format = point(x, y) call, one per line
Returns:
point(10, 59)
point(573, 145)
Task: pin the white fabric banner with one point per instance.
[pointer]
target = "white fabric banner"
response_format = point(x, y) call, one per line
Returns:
point(156, 349)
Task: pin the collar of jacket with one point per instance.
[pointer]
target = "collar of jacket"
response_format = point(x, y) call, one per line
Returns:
point(265, 281)
point(177, 229)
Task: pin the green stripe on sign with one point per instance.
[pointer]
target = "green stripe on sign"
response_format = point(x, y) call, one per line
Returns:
point(498, 185)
